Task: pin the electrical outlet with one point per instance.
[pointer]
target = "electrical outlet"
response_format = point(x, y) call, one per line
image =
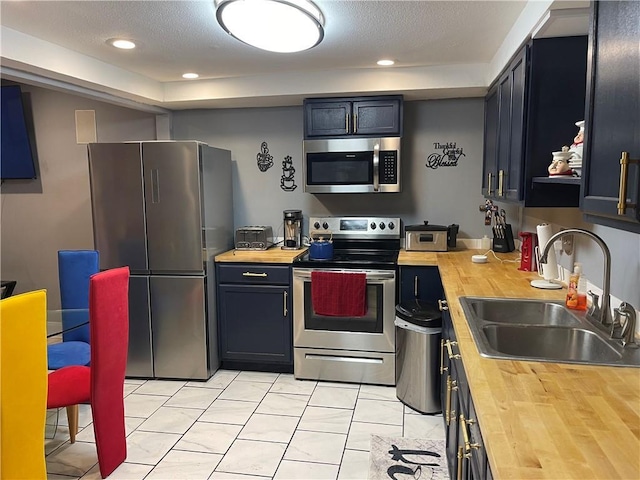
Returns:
point(567, 244)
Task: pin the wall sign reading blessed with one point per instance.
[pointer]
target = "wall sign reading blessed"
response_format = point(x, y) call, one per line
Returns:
point(448, 158)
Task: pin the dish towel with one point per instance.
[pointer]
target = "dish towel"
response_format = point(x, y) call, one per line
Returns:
point(338, 294)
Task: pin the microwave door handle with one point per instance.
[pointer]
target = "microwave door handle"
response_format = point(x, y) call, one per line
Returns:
point(376, 167)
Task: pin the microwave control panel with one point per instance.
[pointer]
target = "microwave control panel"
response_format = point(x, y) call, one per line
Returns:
point(389, 167)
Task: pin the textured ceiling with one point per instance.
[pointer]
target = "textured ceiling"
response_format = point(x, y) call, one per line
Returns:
point(174, 37)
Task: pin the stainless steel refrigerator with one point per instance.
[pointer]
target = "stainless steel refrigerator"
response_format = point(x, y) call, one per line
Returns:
point(165, 209)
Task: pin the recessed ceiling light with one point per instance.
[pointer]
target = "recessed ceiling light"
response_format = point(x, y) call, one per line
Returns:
point(190, 75)
point(385, 63)
point(124, 44)
point(282, 26)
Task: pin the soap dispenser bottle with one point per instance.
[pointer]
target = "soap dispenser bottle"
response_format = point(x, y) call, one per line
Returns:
point(572, 290)
point(582, 289)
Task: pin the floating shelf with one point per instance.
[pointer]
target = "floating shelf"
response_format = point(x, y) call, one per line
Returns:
point(566, 180)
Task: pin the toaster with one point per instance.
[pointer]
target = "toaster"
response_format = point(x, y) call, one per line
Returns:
point(253, 238)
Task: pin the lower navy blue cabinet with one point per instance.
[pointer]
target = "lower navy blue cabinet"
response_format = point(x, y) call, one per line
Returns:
point(422, 283)
point(465, 450)
point(254, 318)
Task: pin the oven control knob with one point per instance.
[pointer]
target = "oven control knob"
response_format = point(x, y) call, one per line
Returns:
point(325, 225)
point(373, 226)
point(392, 225)
point(382, 225)
point(316, 225)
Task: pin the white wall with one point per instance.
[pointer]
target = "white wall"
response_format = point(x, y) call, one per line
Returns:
point(40, 217)
point(442, 196)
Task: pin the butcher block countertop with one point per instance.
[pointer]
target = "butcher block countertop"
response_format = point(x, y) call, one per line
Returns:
point(271, 255)
point(538, 419)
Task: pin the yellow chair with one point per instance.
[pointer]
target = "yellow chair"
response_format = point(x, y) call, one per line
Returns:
point(23, 385)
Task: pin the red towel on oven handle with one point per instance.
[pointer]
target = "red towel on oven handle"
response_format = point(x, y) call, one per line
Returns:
point(339, 294)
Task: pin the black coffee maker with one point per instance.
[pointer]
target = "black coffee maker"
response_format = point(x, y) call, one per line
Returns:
point(292, 230)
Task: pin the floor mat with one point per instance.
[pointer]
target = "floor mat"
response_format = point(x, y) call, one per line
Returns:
point(400, 458)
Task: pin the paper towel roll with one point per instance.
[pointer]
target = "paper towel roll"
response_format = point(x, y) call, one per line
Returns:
point(549, 269)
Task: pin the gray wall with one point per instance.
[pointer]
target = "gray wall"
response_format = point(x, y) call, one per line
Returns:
point(624, 247)
point(442, 196)
point(40, 217)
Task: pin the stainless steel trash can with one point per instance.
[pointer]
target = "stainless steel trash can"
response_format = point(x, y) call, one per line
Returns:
point(418, 333)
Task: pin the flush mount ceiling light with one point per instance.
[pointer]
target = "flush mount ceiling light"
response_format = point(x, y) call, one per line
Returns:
point(385, 63)
point(282, 26)
point(190, 75)
point(123, 44)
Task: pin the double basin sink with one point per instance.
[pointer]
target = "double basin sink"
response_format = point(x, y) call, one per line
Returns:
point(521, 329)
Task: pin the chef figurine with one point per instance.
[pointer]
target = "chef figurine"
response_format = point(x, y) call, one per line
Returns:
point(560, 163)
point(576, 146)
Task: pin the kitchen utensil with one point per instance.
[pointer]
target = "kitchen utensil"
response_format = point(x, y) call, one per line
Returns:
point(319, 248)
point(253, 238)
point(292, 230)
point(430, 238)
point(503, 238)
point(527, 257)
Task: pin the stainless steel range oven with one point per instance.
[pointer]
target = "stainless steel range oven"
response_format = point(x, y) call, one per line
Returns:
point(349, 348)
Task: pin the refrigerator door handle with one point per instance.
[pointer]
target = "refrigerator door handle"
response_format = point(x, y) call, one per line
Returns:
point(155, 185)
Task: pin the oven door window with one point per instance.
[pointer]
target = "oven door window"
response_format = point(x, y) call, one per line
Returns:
point(340, 168)
point(369, 323)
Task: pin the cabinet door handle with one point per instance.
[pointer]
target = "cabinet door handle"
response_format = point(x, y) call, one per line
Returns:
point(415, 286)
point(355, 123)
point(460, 457)
point(449, 344)
point(624, 177)
point(346, 123)
point(442, 305)
point(284, 304)
point(489, 183)
point(251, 274)
point(468, 446)
point(451, 386)
point(442, 367)
point(501, 183)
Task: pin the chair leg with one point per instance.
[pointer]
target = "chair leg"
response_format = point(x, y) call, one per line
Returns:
point(72, 417)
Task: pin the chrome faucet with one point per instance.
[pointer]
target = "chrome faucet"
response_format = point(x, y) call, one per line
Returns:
point(627, 331)
point(603, 315)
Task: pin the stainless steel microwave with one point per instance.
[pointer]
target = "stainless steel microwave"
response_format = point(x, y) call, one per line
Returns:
point(352, 165)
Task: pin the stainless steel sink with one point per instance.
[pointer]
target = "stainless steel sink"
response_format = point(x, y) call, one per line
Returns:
point(560, 343)
point(524, 329)
point(529, 312)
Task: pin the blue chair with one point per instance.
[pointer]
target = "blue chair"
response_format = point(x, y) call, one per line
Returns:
point(74, 269)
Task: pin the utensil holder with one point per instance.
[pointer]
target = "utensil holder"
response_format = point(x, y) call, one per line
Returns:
point(506, 244)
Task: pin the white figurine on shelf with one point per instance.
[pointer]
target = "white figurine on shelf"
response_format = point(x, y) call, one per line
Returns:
point(560, 163)
point(575, 162)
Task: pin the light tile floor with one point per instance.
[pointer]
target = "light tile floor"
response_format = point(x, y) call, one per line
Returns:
point(244, 426)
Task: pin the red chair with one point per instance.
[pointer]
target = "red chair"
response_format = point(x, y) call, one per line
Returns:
point(102, 384)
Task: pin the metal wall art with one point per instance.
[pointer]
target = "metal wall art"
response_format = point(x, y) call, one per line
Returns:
point(287, 181)
point(265, 161)
point(448, 158)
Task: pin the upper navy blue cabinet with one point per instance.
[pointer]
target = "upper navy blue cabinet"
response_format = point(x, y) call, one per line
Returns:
point(530, 112)
point(611, 191)
point(359, 116)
